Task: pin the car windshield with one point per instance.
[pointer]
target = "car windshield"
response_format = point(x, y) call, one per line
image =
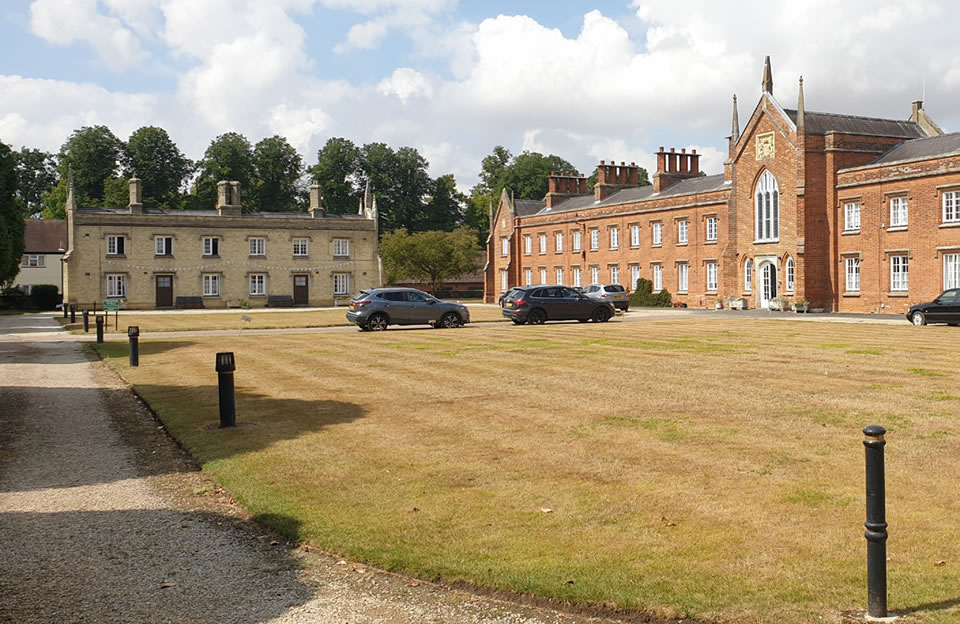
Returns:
point(948, 297)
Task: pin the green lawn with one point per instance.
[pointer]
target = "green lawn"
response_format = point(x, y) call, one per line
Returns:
point(707, 468)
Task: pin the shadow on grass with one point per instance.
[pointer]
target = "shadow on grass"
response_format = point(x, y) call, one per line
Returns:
point(143, 565)
point(941, 605)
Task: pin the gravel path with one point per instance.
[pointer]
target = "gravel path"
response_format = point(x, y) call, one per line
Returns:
point(103, 519)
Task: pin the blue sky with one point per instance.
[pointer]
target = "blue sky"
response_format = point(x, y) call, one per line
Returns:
point(584, 80)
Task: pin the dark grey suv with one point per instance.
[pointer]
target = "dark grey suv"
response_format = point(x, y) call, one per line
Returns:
point(539, 304)
point(375, 309)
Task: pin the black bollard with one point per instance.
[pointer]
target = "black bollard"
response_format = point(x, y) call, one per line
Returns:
point(133, 333)
point(66, 310)
point(99, 320)
point(876, 523)
point(73, 313)
point(228, 408)
point(86, 321)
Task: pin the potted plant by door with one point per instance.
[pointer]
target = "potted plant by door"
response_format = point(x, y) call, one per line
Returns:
point(777, 303)
point(718, 304)
point(800, 307)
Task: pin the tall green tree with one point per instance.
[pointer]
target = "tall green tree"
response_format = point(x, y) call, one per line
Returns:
point(401, 182)
point(279, 170)
point(94, 154)
point(11, 218)
point(229, 157)
point(36, 174)
point(152, 156)
point(337, 172)
point(445, 206)
point(432, 256)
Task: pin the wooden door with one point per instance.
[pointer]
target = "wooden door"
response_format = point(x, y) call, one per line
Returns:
point(301, 290)
point(164, 291)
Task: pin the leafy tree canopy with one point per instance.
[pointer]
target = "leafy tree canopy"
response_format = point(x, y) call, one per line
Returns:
point(36, 174)
point(11, 217)
point(229, 157)
point(445, 205)
point(337, 171)
point(94, 154)
point(152, 156)
point(432, 256)
point(279, 170)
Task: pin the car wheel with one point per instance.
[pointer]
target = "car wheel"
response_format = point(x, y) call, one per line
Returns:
point(364, 328)
point(537, 317)
point(377, 322)
point(917, 318)
point(601, 315)
point(449, 320)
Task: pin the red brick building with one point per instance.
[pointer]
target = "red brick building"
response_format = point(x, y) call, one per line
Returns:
point(850, 213)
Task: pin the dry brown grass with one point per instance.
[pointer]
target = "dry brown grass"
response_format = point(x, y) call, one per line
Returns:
point(710, 468)
point(179, 321)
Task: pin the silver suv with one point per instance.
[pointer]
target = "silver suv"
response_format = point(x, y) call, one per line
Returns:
point(375, 309)
point(614, 293)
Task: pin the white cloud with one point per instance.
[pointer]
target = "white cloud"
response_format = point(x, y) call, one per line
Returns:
point(298, 125)
point(390, 15)
point(405, 83)
point(63, 22)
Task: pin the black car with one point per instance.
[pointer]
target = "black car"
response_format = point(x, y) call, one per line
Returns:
point(539, 304)
point(943, 309)
point(375, 309)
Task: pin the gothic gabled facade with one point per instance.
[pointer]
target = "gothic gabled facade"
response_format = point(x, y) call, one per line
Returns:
point(850, 213)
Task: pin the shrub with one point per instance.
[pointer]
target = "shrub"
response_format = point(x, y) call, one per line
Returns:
point(644, 296)
point(44, 296)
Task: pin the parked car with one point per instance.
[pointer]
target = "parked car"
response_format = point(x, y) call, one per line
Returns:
point(614, 293)
point(504, 296)
point(943, 309)
point(539, 304)
point(375, 309)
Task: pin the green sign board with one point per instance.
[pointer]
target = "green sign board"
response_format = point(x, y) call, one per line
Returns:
point(111, 305)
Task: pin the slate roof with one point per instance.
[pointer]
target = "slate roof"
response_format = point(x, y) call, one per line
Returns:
point(46, 236)
point(918, 149)
point(822, 123)
point(527, 207)
point(703, 184)
point(214, 213)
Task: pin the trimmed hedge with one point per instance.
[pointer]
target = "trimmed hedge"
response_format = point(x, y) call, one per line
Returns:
point(45, 296)
point(644, 296)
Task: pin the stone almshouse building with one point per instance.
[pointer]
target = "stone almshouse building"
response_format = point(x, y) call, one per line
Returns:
point(853, 214)
point(150, 258)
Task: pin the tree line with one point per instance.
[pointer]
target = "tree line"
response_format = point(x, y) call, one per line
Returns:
point(273, 178)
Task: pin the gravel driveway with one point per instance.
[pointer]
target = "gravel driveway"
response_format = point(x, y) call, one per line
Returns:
point(104, 519)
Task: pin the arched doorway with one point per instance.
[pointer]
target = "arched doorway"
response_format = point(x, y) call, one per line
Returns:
point(768, 283)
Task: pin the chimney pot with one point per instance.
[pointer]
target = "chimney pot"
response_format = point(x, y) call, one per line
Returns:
point(672, 150)
point(602, 162)
point(693, 151)
point(661, 148)
point(683, 150)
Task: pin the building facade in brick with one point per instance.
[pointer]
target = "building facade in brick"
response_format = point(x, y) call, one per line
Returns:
point(218, 258)
point(849, 213)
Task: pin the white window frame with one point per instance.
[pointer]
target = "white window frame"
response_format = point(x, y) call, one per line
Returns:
point(527, 277)
point(766, 205)
point(614, 238)
point(899, 211)
point(163, 245)
point(543, 243)
point(527, 245)
point(116, 245)
point(951, 270)
point(614, 273)
point(790, 271)
point(712, 229)
point(594, 275)
point(211, 284)
point(341, 284)
point(576, 276)
point(34, 261)
point(116, 285)
point(341, 248)
point(657, 277)
point(301, 247)
point(683, 231)
point(683, 277)
point(503, 281)
point(634, 235)
point(543, 276)
point(657, 230)
point(951, 207)
point(594, 240)
point(634, 276)
point(899, 273)
point(504, 247)
point(748, 275)
point(258, 246)
point(852, 271)
point(712, 276)
point(576, 240)
point(559, 242)
point(559, 276)
point(258, 284)
point(209, 242)
point(851, 216)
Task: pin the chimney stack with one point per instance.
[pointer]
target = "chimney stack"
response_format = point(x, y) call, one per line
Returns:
point(561, 186)
point(612, 178)
point(136, 195)
point(228, 198)
point(316, 198)
point(673, 167)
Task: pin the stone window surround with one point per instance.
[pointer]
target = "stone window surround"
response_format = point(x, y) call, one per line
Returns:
point(890, 195)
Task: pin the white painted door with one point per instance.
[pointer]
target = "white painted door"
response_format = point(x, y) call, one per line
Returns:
point(768, 284)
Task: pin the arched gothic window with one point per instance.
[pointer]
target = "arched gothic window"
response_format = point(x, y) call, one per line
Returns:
point(791, 278)
point(748, 275)
point(766, 203)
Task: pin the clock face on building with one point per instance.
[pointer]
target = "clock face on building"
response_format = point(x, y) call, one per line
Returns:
point(765, 146)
